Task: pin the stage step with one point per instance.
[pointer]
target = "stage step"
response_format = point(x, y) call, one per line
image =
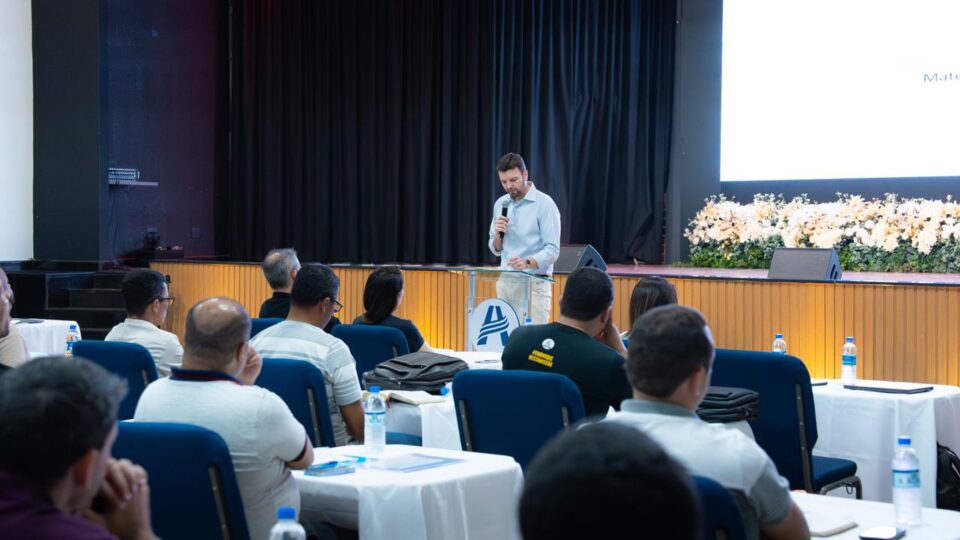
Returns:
point(96, 298)
point(108, 280)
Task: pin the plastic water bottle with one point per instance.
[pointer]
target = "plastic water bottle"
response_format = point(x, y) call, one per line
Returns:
point(287, 527)
point(779, 345)
point(848, 366)
point(73, 336)
point(374, 422)
point(907, 499)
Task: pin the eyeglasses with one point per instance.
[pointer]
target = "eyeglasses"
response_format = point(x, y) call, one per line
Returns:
point(165, 299)
point(338, 304)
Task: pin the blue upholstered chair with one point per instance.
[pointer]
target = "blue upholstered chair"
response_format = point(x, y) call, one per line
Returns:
point(513, 412)
point(259, 325)
point(371, 345)
point(193, 488)
point(128, 360)
point(721, 515)
point(301, 386)
point(787, 426)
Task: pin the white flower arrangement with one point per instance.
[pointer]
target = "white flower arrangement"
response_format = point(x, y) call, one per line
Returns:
point(869, 231)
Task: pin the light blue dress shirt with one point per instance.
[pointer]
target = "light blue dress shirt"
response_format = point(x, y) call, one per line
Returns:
point(533, 232)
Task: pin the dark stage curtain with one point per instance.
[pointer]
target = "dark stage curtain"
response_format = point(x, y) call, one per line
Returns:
point(369, 130)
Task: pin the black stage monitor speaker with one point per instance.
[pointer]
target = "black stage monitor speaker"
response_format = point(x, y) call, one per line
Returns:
point(805, 264)
point(573, 256)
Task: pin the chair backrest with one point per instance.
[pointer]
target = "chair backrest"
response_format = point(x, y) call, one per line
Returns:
point(371, 344)
point(301, 386)
point(721, 514)
point(193, 486)
point(787, 426)
point(259, 325)
point(128, 360)
point(513, 412)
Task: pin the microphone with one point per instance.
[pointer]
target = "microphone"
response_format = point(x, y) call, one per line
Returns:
point(503, 213)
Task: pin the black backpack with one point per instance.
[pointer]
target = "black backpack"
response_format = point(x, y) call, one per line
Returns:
point(428, 371)
point(948, 478)
point(724, 404)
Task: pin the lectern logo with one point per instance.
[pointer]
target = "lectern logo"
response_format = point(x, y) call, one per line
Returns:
point(490, 325)
point(494, 323)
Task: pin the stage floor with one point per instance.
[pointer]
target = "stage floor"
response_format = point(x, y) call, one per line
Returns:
point(681, 272)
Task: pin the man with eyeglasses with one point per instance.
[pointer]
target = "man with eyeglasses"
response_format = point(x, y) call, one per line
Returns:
point(13, 348)
point(146, 298)
point(313, 301)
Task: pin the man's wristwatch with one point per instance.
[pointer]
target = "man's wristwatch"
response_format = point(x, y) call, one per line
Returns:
point(528, 263)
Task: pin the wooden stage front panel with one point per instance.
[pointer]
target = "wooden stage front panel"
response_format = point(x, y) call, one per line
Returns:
point(904, 332)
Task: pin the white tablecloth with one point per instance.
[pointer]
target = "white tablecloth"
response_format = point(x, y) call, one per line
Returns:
point(474, 500)
point(436, 423)
point(476, 359)
point(937, 524)
point(864, 426)
point(45, 338)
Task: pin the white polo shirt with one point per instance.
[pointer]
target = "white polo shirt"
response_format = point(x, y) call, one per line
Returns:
point(260, 431)
point(163, 346)
point(726, 456)
point(294, 340)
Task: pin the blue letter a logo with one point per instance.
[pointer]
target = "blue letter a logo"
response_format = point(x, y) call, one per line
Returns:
point(494, 323)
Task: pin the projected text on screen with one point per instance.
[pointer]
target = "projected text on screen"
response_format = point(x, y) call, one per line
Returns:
point(827, 89)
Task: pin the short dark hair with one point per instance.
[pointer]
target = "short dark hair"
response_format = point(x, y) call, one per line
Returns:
point(667, 345)
point(511, 160)
point(608, 474)
point(277, 266)
point(52, 411)
point(587, 294)
point(314, 283)
point(213, 338)
point(140, 288)
point(381, 292)
point(648, 293)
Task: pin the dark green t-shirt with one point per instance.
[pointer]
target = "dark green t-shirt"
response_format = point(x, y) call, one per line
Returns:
point(595, 368)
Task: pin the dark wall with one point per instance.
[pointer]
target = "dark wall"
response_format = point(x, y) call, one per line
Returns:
point(695, 153)
point(127, 83)
point(66, 151)
point(163, 74)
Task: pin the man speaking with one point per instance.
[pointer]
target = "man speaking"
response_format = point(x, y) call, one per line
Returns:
point(525, 234)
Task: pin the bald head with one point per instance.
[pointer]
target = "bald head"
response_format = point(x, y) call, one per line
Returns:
point(216, 328)
point(6, 304)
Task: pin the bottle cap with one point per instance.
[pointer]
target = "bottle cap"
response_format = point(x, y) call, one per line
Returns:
point(849, 339)
point(778, 336)
point(903, 440)
point(73, 327)
point(444, 391)
point(374, 389)
point(285, 512)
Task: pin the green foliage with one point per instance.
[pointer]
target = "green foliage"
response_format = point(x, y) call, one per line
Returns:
point(943, 258)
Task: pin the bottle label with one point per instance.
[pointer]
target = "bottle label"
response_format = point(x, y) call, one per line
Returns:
point(376, 418)
point(849, 359)
point(906, 479)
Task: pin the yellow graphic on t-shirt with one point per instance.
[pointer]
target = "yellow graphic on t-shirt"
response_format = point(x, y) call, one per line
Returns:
point(541, 358)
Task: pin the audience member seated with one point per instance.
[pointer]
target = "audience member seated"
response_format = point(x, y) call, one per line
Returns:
point(381, 297)
point(147, 299)
point(583, 344)
point(214, 389)
point(669, 364)
point(280, 267)
point(313, 300)
point(648, 293)
point(13, 349)
point(58, 421)
point(607, 477)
